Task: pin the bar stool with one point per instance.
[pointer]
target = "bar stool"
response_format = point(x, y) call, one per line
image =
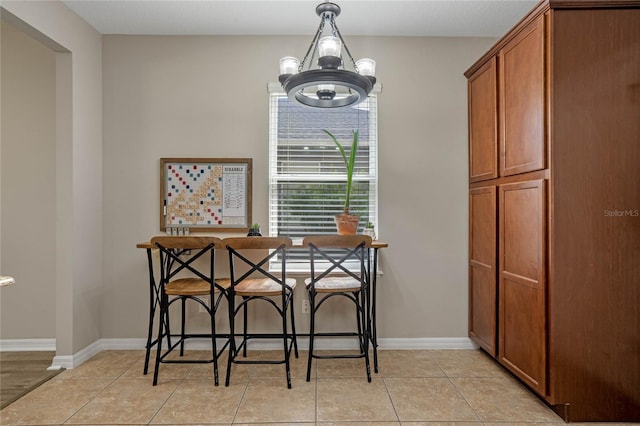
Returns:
point(329, 255)
point(178, 255)
point(258, 285)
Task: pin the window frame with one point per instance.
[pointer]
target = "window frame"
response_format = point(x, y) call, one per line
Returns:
point(275, 178)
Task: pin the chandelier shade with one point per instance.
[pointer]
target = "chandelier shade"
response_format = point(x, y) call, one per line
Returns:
point(332, 83)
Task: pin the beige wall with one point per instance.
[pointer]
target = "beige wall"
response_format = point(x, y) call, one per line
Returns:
point(78, 170)
point(27, 172)
point(207, 97)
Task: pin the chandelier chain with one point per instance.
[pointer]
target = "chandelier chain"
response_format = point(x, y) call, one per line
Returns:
point(314, 46)
point(336, 32)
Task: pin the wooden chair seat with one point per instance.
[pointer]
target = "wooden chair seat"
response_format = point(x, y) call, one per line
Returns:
point(335, 284)
point(191, 287)
point(258, 286)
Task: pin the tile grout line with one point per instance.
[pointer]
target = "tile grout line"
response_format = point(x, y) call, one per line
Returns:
point(244, 393)
point(113, 380)
point(168, 397)
point(465, 400)
point(448, 377)
point(315, 417)
point(395, 410)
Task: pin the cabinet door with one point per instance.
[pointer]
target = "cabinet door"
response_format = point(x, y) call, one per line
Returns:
point(522, 101)
point(483, 123)
point(522, 281)
point(482, 267)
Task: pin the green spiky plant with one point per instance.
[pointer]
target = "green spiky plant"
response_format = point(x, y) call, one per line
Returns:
point(349, 164)
point(254, 231)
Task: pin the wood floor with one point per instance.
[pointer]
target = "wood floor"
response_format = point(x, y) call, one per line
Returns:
point(21, 372)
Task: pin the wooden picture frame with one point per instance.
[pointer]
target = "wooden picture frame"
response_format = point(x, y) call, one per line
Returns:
point(205, 194)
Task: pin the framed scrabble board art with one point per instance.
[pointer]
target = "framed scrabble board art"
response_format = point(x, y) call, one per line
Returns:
point(205, 194)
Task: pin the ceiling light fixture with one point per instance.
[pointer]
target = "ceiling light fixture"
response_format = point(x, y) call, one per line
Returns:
point(330, 85)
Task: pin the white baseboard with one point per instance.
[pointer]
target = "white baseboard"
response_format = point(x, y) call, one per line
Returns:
point(71, 361)
point(427, 343)
point(27, 345)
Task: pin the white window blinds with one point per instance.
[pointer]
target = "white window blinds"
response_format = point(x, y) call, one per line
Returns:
point(307, 176)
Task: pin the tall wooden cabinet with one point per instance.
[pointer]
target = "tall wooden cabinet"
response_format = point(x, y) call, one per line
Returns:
point(554, 206)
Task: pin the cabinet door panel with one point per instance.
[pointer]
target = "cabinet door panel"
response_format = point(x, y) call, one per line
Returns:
point(522, 281)
point(522, 101)
point(483, 125)
point(482, 268)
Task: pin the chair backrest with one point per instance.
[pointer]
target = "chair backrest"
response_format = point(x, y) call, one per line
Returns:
point(333, 251)
point(173, 258)
point(277, 246)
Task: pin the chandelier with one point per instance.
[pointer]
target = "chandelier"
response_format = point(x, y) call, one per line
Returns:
point(329, 85)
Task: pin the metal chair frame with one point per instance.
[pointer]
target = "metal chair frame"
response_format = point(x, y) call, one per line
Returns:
point(154, 305)
point(352, 247)
point(171, 264)
point(278, 246)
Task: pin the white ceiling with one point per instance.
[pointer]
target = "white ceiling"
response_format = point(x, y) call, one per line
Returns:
point(490, 18)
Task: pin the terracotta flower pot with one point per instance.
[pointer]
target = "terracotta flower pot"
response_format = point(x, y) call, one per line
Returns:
point(347, 224)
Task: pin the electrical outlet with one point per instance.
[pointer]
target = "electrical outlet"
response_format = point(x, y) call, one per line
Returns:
point(305, 306)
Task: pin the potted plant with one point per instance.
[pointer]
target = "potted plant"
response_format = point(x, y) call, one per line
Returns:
point(369, 230)
point(347, 223)
point(254, 231)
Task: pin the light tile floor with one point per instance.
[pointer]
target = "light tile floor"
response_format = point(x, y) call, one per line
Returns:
point(413, 387)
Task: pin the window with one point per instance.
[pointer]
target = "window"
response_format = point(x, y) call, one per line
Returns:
point(307, 177)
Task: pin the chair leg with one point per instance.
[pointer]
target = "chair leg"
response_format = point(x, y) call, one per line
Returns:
point(232, 340)
point(212, 312)
point(165, 317)
point(359, 320)
point(245, 321)
point(183, 302)
point(293, 327)
point(365, 333)
point(153, 303)
point(152, 312)
point(312, 324)
point(285, 339)
point(159, 347)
